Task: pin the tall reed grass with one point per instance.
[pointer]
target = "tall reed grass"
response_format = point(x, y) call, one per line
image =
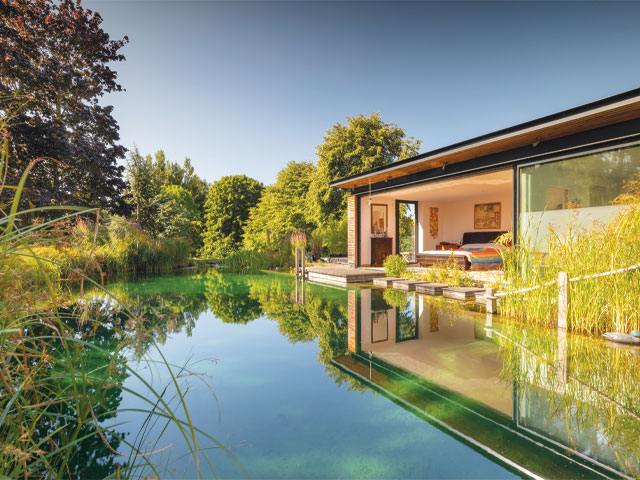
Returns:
point(597, 305)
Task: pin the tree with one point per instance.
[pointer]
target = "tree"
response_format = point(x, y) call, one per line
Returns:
point(143, 189)
point(226, 212)
point(55, 65)
point(362, 144)
point(167, 199)
point(281, 207)
point(179, 215)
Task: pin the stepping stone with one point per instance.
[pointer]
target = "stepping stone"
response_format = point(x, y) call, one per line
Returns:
point(407, 285)
point(480, 300)
point(386, 281)
point(462, 293)
point(431, 288)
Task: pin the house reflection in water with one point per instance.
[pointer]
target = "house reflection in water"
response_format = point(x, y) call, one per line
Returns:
point(444, 364)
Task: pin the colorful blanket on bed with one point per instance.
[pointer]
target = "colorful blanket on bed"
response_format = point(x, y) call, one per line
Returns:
point(483, 256)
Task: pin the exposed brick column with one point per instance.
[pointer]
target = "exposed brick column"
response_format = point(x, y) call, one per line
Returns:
point(352, 230)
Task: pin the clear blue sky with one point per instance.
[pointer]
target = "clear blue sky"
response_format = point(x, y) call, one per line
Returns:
point(243, 87)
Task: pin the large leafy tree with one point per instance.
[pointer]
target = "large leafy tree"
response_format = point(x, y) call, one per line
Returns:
point(55, 65)
point(226, 212)
point(362, 144)
point(281, 207)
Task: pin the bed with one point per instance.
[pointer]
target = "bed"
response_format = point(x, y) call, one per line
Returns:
point(477, 252)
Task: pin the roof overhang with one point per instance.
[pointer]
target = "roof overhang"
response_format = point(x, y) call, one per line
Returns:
point(608, 111)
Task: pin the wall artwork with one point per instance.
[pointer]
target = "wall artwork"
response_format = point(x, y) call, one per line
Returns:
point(487, 216)
point(433, 222)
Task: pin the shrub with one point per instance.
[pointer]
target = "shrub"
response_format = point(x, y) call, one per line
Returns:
point(394, 265)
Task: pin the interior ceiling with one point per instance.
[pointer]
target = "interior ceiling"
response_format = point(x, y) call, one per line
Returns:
point(454, 189)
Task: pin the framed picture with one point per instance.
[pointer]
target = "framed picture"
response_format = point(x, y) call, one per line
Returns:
point(486, 216)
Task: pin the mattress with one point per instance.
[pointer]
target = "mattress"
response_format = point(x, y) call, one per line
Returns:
point(473, 256)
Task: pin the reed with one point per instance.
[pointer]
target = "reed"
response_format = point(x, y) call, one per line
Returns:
point(597, 305)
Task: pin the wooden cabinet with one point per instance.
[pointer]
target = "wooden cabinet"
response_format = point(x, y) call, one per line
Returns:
point(381, 248)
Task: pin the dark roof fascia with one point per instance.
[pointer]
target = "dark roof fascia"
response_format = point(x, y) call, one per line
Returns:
point(506, 131)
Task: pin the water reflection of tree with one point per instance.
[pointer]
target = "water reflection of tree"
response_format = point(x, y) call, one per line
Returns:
point(165, 308)
point(323, 316)
point(228, 298)
point(583, 392)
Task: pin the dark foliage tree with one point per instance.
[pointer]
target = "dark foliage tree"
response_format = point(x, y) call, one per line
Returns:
point(54, 68)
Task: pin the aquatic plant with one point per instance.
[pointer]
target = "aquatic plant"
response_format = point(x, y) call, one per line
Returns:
point(449, 273)
point(394, 265)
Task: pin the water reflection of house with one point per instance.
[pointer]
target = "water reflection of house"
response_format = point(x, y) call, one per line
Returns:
point(449, 373)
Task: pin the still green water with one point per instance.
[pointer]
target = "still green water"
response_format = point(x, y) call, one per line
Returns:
point(311, 381)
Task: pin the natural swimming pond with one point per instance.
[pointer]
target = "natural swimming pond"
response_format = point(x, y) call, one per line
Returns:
point(312, 381)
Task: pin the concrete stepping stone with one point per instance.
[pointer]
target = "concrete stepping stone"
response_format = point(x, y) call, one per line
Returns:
point(431, 288)
point(462, 293)
point(407, 285)
point(386, 281)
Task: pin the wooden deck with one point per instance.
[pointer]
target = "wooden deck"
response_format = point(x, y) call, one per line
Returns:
point(342, 275)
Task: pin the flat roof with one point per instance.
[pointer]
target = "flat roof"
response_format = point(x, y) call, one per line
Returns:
point(607, 111)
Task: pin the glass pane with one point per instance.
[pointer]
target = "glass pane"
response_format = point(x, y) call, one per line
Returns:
point(407, 230)
point(584, 188)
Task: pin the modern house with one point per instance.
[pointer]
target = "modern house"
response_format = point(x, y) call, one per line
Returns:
point(521, 179)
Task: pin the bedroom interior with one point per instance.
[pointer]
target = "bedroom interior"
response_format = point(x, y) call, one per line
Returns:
point(426, 223)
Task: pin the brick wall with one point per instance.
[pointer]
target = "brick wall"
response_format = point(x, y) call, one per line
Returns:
point(352, 216)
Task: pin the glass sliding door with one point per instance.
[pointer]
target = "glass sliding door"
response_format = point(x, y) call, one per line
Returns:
point(407, 229)
point(577, 191)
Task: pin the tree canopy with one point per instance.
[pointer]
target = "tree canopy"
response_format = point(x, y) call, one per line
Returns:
point(362, 144)
point(55, 66)
point(281, 207)
point(167, 198)
point(226, 212)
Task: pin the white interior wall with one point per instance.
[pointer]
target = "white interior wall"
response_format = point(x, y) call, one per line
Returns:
point(456, 218)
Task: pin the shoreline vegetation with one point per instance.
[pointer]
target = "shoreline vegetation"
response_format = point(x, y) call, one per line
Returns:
point(63, 364)
point(597, 305)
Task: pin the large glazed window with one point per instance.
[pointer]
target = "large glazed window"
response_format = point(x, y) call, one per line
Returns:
point(579, 189)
